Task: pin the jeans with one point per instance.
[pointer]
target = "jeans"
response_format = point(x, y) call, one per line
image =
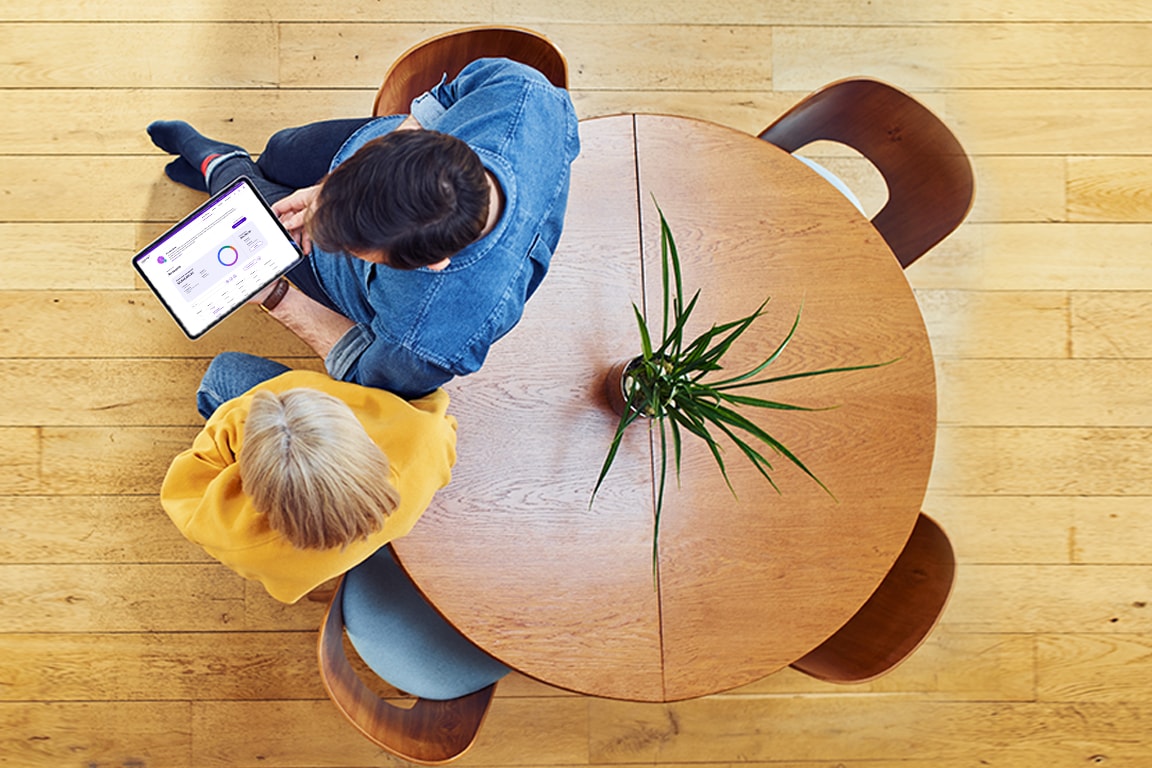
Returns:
point(293, 158)
point(406, 641)
point(231, 374)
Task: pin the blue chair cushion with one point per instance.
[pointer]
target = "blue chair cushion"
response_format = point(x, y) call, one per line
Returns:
point(405, 640)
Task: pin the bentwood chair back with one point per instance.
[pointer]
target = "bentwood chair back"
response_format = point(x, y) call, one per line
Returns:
point(410, 638)
point(898, 616)
point(929, 177)
point(421, 67)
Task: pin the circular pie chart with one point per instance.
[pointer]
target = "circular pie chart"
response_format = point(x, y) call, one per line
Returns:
point(228, 256)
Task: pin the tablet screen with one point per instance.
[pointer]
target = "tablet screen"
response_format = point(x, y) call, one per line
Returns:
point(221, 255)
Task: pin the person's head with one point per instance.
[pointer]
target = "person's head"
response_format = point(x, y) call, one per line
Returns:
point(307, 463)
point(409, 198)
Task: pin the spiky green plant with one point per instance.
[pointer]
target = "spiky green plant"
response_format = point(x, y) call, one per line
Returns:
point(666, 384)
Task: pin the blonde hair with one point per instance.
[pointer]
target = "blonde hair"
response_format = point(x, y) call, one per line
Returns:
point(307, 463)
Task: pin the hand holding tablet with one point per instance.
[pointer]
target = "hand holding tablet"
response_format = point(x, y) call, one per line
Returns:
point(293, 212)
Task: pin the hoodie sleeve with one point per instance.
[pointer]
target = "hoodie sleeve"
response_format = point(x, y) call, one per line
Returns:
point(207, 472)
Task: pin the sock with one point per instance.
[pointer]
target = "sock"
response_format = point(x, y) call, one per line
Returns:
point(182, 173)
point(177, 137)
point(212, 161)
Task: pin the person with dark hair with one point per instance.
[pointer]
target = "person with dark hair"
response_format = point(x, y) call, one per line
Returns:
point(427, 233)
point(433, 200)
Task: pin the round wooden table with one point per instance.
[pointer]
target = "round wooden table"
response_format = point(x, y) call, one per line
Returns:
point(512, 553)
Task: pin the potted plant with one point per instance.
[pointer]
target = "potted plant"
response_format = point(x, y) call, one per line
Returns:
point(679, 386)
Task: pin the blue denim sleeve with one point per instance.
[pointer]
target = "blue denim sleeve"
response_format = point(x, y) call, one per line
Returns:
point(362, 358)
point(487, 74)
point(426, 108)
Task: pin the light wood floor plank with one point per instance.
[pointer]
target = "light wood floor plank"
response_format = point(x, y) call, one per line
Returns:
point(71, 121)
point(994, 324)
point(82, 55)
point(1013, 393)
point(100, 460)
point(826, 13)
point(1045, 530)
point(1111, 324)
point(457, 11)
point(1024, 735)
point(127, 324)
point(1102, 668)
point(612, 57)
point(90, 529)
point(967, 55)
point(68, 256)
point(56, 734)
point(1042, 461)
point(1040, 257)
point(1052, 599)
point(97, 392)
point(1114, 189)
point(130, 189)
point(179, 597)
point(120, 598)
point(108, 392)
point(799, 12)
point(169, 666)
point(1019, 188)
point(1058, 121)
point(20, 455)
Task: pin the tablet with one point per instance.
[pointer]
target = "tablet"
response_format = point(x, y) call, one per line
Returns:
point(218, 257)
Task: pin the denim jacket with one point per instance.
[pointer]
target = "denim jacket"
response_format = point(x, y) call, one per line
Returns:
point(416, 329)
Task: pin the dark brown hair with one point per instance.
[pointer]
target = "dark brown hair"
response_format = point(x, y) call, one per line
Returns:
point(417, 197)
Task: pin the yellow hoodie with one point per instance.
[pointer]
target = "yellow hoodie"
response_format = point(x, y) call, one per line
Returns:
point(203, 495)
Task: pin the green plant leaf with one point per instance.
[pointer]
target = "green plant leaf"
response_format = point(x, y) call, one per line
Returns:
point(697, 426)
point(669, 254)
point(730, 416)
point(740, 326)
point(771, 404)
point(806, 374)
point(672, 342)
point(625, 420)
point(645, 338)
point(700, 347)
point(767, 362)
point(659, 499)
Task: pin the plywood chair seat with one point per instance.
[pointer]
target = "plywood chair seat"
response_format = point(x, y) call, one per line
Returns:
point(400, 636)
point(929, 177)
point(898, 616)
point(422, 66)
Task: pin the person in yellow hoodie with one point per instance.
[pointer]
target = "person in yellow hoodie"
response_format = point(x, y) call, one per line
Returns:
point(299, 477)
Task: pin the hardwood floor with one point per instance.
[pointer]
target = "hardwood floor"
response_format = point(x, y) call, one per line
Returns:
point(121, 645)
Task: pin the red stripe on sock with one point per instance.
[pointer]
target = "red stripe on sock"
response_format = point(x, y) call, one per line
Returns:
point(204, 165)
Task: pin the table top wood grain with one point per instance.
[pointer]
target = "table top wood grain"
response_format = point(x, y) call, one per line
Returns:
point(511, 551)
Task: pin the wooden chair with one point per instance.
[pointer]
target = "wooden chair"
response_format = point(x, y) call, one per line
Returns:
point(929, 178)
point(421, 66)
point(896, 618)
point(429, 733)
